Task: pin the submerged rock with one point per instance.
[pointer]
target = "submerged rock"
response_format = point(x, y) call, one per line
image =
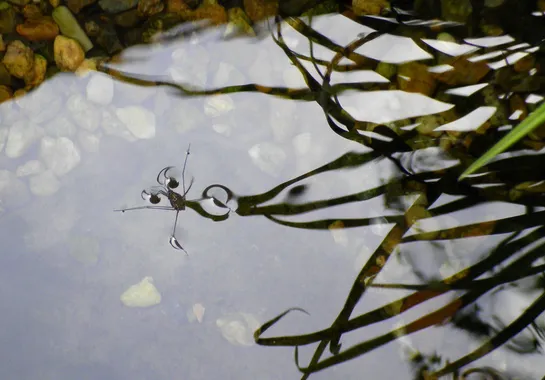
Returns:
point(60, 154)
point(268, 157)
point(29, 168)
point(84, 113)
point(143, 294)
point(238, 328)
point(13, 191)
point(20, 137)
point(138, 120)
point(44, 184)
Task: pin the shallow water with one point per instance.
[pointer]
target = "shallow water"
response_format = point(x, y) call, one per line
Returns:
point(67, 257)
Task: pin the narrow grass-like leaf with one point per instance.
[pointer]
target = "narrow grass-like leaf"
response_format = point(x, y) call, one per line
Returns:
point(534, 120)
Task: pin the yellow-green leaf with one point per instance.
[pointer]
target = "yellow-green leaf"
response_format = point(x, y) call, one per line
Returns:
point(534, 120)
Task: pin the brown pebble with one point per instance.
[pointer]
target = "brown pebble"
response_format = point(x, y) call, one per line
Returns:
point(147, 8)
point(5, 93)
point(37, 75)
point(39, 29)
point(258, 10)
point(68, 53)
point(31, 11)
point(464, 72)
point(415, 77)
point(19, 59)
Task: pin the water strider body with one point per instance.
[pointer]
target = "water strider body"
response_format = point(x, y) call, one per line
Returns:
point(177, 201)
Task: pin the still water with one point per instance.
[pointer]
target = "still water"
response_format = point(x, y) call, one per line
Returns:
point(70, 267)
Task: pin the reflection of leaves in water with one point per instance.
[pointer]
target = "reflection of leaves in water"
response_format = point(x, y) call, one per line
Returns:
point(513, 180)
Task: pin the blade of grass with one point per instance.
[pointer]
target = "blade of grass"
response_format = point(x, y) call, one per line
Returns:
point(534, 120)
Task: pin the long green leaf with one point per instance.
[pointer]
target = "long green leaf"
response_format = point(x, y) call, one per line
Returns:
point(534, 120)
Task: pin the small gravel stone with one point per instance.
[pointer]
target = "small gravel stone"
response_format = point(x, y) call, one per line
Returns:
point(44, 184)
point(19, 59)
point(84, 113)
point(20, 137)
point(138, 120)
point(68, 53)
point(100, 89)
point(30, 168)
point(143, 294)
point(268, 157)
point(60, 154)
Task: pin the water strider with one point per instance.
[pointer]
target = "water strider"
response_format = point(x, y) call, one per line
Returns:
point(177, 201)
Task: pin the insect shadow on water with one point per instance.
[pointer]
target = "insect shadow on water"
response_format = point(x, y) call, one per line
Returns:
point(177, 201)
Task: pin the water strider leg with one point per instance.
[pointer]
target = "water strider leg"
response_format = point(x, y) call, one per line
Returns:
point(183, 170)
point(143, 207)
point(173, 241)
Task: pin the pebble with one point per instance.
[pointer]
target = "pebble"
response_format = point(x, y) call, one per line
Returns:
point(19, 59)
point(282, 118)
point(127, 19)
point(116, 6)
point(68, 53)
point(20, 137)
point(143, 294)
point(222, 129)
point(3, 136)
point(88, 141)
point(37, 75)
point(138, 120)
point(369, 7)
point(60, 126)
point(147, 8)
point(302, 143)
point(268, 157)
point(226, 74)
point(238, 328)
point(196, 313)
point(258, 10)
point(218, 105)
point(44, 184)
point(59, 154)
point(84, 113)
point(41, 105)
point(162, 102)
point(30, 168)
point(31, 11)
point(5, 93)
point(8, 19)
point(100, 89)
point(113, 126)
point(13, 191)
point(415, 77)
point(76, 5)
point(39, 29)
